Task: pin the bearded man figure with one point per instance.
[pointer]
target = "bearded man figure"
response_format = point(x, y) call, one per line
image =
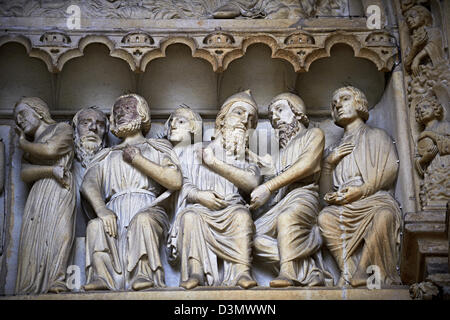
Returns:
point(214, 223)
point(287, 234)
point(125, 186)
point(90, 130)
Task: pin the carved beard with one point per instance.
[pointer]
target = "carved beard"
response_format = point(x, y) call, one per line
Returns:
point(85, 150)
point(124, 130)
point(287, 131)
point(235, 140)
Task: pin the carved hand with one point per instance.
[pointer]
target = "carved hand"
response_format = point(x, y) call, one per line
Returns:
point(340, 152)
point(108, 218)
point(21, 135)
point(60, 175)
point(129, 152)
point(428, 156)
point(211, 199)
point(415, 66)
point(208, 156)
point(259, 196)
point(344, 196)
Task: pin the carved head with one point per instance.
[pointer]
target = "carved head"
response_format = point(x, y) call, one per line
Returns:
point(428, 109)
point(417, 17)
point(285, 108)
point(349, 103)
point(29, 112)
point(129, 114)
point(238, 114)
point(183, 124)
point(90, 132)
point(227, 111)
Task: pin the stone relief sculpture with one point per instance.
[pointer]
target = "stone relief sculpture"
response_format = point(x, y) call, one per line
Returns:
point(280, 9)
point(125, 185)
point(48, 220)
point(361, 225)
point(287, 234)
point(178, 9)
point(90, 127)
point(426, 41)
point(215, 223)
point(433, 146)
point(429, 72)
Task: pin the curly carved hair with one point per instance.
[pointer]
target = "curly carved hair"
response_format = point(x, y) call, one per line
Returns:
point(296, 104)
point(142, 108)
point(362, 107)
point(438, 110)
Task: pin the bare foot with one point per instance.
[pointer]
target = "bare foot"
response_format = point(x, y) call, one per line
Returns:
point(358, 282)
point(317, 281)
point(57, 288)
point(142, 284)
point(95, 285)
point(190, 283)
point(281, 282)
point(246, 282)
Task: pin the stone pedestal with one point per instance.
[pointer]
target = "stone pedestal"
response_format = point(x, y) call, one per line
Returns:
point(221, 293)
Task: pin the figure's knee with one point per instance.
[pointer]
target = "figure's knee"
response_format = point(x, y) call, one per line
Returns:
point(189, 218)
point(324, 219)
point(385, 216)
point(144, 219)
point(285, 219)
point(243, 218)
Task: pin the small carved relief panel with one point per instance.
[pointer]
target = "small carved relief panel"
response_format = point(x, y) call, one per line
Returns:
point(179, 9)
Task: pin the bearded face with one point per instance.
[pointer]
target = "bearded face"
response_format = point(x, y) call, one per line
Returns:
point(89, 135)
point(234, 131)
point(127, 120)
point(284, 120)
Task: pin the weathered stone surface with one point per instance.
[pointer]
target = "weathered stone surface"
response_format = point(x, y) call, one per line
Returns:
point(258, 293)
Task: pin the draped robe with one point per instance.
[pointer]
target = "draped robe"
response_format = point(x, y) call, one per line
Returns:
point(374, 221)
point(47, 230)
point(141, 222)
point(288, 231)
point(204, 235)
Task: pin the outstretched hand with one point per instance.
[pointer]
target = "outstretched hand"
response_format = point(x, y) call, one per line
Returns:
point(340, 152)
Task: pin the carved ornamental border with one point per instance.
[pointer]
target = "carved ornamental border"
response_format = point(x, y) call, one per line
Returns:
point(138, 48)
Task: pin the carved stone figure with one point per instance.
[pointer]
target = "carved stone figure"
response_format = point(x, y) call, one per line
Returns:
point(433, 146)
point(90, 127)
point(426, 41)
point(361, 225)
point(125, 185)
point(288, 234)
point(215, 223)
point(48, 220)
